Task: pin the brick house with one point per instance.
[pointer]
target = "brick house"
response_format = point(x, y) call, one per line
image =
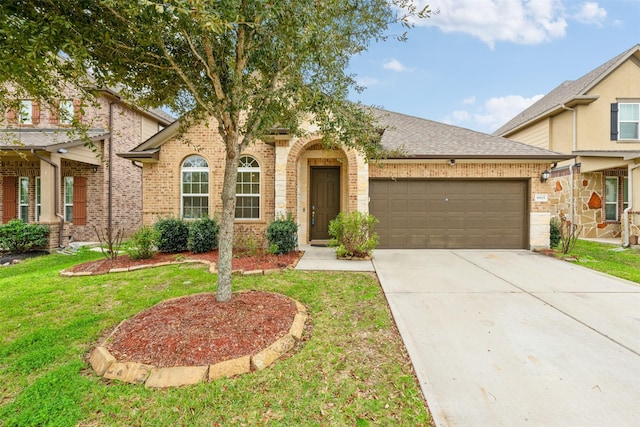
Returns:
point(595, 118)
point(447, 188)
point(50, 177)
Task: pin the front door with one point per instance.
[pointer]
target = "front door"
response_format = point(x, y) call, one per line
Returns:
point(325, 200)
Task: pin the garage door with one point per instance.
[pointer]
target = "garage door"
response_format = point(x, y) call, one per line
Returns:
point(450, 214)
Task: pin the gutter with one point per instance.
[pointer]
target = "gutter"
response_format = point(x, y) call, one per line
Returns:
point(625, 214)
point(56, 199)
point(574, 148)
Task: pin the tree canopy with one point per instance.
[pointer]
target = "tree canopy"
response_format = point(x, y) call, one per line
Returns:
point(252, 65)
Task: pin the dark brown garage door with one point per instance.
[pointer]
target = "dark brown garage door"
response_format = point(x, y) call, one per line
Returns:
point(450, 214)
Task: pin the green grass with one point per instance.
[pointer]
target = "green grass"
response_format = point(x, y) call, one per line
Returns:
point(351, 369)
point(608, 259)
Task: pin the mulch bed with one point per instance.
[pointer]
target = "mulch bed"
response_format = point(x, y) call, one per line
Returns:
point(197, 330)
point(240, 262)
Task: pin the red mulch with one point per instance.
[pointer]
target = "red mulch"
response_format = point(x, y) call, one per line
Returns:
point(246, 263)
point(197, 330)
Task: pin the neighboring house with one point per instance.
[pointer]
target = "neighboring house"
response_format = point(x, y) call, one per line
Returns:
point(450, 187)
point(597, 119)
point(48, 176)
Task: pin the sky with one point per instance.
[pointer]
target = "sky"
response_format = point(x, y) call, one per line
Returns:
point(478, 63)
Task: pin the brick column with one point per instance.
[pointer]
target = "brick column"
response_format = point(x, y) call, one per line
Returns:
point(282, 154)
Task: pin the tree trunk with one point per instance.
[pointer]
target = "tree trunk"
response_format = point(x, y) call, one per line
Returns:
point(225, 241)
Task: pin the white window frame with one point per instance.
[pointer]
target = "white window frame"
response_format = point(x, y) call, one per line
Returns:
point(25, 115)
point(633, 121)
point(248, 166)
point(198, 165)
point(38, 198)
point(68, 199)
point(23, 198)
point(66, 111)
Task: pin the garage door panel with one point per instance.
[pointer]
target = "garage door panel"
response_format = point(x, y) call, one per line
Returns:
point(450, 213)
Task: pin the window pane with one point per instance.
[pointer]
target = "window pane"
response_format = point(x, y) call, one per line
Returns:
point(611, 213)
point(66, 111)
point(628, 130)
point(629, 112)
point(611, 189)
point(24, 191)
point(25, 112)
point(68, 213)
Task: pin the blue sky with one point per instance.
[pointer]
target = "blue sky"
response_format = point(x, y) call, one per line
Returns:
point(477, 63)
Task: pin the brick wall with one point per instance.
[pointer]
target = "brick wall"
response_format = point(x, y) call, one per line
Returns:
point(161, 181)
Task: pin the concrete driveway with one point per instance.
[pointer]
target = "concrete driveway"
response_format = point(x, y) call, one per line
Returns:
point(513, 338)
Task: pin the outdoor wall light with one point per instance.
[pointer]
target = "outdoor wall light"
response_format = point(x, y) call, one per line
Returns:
point(94, 169)
point(452, 162)
point(62, 151)
point(544, 176)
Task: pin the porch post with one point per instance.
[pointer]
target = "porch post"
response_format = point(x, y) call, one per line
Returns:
point(48, 190)
point(282, 153)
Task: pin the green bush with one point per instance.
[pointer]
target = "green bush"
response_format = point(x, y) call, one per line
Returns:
point(352, 235)
point(555, 232)
point(173, 235)
point(143, 243)
point(17, 236)
point(282, 235)
point(203, 235)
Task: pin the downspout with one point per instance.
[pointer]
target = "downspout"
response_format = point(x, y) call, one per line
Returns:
point(625, 214)
point(574, 148)
point(56, 199)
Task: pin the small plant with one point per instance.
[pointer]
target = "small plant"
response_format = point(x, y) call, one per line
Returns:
point(569, 233)
point(173, 235)
point(109, 241)
point(203, 235)
point(352, 234)
point(142, 243)
point(555, 233)
point(282, 235)
point(18, 237)
point(246, 244)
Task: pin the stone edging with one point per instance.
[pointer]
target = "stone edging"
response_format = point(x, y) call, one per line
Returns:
point(212, 269)
point(106, 365)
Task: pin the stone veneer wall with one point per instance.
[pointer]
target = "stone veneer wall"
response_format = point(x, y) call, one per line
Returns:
point(539, 216)
point(588, 192)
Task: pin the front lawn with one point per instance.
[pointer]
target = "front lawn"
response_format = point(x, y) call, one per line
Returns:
point(610, 259)
point(351, 369)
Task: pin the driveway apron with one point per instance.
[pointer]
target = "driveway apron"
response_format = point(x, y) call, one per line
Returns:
point(514, 338)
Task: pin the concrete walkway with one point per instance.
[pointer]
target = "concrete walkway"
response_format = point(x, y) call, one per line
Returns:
point(514, 338)
point(324, 258)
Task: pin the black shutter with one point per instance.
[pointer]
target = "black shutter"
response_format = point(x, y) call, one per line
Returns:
point(614, 122)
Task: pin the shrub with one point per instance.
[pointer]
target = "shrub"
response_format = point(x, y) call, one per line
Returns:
point(203, 235)
point(173, 235)
point(142, 244)
point(555, 232)
point(246, 244)
point(282, 235)
point(353, 234)
point(17, 236)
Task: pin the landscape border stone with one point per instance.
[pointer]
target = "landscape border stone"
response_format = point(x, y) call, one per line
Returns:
point(107, 366)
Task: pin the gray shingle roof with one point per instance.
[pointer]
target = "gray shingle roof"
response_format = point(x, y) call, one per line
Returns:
point(421, 138)
point(27, 138)
point(567, 91)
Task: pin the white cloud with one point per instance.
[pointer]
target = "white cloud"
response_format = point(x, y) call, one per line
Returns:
point(591, 13)
point(366, 81)
point(394, 65)
point(518, 21)
point(469, 100)
point(493, 113)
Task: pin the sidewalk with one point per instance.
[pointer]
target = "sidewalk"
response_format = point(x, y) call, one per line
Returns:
point(324, 258)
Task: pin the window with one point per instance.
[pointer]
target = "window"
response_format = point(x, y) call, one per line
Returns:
point(629, 121)
point(614, 204)
point(248, 189)
point(25, 116)
point(195, 187)
point(38, 198)
point(23, 198)
point(65, 111)
point(68, 198)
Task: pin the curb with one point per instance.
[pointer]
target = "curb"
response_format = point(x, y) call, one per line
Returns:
point(105, 364)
